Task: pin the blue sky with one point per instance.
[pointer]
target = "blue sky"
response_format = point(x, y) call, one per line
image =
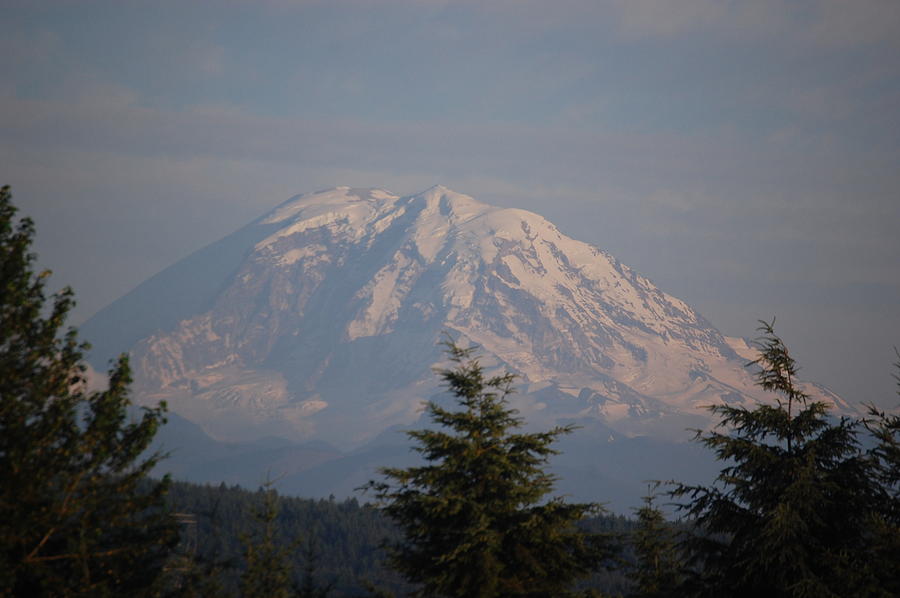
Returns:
point(743, 155)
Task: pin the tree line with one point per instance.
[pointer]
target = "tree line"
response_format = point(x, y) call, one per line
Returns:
point(334, 546)
point(806, 504)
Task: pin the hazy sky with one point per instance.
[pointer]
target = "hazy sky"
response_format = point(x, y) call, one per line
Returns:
point(745, 155)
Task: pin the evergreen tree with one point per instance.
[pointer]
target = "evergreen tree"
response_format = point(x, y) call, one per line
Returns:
point(78, 516)
point(790, 513)
point(475, 517)
point(269, 571)
point(658, 569)
point(885, 430)
point(270, 564)
point(309, 586)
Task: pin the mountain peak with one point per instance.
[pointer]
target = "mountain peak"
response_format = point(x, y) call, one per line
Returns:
point(326, 315)
point(440, 189)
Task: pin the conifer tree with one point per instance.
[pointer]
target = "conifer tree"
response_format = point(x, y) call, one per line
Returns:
point(78, 515)
point(790, 513)
point(269, 572)
point(658, 569)
point(475, 516)
point(270, 564)
point(309, 586)
point(885, 430)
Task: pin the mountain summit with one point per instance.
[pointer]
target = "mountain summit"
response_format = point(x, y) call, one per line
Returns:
point(323, 318)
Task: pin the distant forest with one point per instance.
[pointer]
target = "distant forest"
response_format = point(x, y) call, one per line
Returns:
point(341, 540)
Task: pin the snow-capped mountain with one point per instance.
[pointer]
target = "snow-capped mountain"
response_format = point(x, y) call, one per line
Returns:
point(322, 320)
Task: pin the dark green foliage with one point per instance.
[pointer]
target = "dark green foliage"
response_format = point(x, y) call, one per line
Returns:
point(475, 519)
point(76, 518)
point(340, 539)
point(657, 572)
point(885, 430)
point(346, 538)
point(309, 586)
point(612, 579)
point(791, 511)
point(270, 566)
point(268, 573)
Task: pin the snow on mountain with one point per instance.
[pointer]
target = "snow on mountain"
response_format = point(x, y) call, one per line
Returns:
point(326, 318)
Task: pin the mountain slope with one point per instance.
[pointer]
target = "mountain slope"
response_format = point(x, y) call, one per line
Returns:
point(323, 319)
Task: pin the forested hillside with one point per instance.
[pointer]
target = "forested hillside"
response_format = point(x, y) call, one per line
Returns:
point(343, 537)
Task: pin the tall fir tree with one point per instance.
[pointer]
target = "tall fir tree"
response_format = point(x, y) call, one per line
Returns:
point(268, 573)
point(885, 431)
point(790, 513)
point(658, 569)
point(270, 570)
point(475, 516)
point(78, 514)
point(309, 586)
